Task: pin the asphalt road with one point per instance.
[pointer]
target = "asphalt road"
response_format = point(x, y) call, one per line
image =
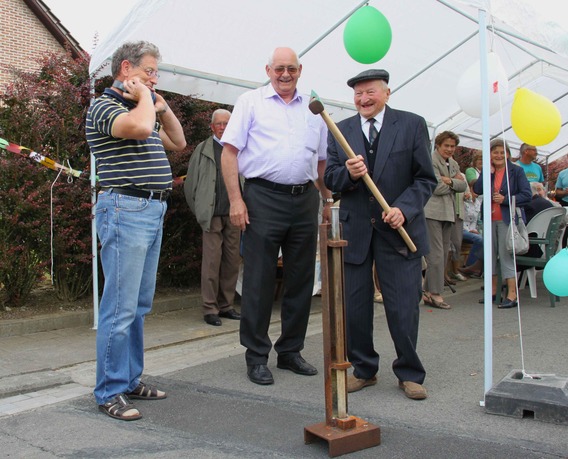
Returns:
point(213, 411)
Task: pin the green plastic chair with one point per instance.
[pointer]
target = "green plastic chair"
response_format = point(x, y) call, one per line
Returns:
point(549, 246)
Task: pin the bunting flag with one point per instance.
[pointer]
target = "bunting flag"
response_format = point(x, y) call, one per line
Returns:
point(51, 164)
point(38, 158)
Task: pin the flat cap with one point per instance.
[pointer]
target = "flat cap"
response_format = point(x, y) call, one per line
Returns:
point(371, 74)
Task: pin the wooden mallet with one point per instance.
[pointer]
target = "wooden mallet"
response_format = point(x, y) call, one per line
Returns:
point(317, 108)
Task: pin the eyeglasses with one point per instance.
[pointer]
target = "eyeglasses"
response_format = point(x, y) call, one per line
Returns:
point(281, 69)
point(151, 72)
point(221, 124)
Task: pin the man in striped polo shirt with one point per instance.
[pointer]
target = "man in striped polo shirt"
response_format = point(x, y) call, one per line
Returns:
point(127, 129)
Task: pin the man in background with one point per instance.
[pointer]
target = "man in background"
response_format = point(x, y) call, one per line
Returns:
point(207, 198)
point(533, 171)
point(561, 196)
point(539, 201)
point(561, 188)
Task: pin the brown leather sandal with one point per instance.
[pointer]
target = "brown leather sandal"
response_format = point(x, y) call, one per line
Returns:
point(120, 407)
point(146, 392)
point(427, 297)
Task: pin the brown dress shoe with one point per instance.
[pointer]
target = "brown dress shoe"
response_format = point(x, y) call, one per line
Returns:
point(354, 384)
point(413, 390)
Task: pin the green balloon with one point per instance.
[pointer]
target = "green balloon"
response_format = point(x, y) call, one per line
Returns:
point(367, 36)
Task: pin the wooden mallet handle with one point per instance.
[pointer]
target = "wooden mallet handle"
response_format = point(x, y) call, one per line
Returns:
point(317, 108)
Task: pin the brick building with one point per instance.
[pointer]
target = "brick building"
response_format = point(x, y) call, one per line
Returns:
point(28, 28)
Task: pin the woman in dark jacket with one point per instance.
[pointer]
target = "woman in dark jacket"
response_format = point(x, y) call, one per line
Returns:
point(501, 215)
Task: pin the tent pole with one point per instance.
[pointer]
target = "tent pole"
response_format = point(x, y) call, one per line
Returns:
point(94, 250)
point(487, 243)
point(332, 28)
point(434, 62)
point(325, 34)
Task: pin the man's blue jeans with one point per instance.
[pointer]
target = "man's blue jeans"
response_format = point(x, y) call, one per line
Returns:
point(130, 233)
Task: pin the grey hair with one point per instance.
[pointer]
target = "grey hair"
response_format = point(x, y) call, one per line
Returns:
point(133, 52)
point(525, 146)
point(271, 56)
point(384, 84)
point(219, 111)
point(535, 187)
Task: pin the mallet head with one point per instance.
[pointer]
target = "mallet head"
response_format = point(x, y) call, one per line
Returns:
point(315, 105)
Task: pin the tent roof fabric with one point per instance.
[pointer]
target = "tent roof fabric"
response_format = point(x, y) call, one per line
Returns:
point(218, 49)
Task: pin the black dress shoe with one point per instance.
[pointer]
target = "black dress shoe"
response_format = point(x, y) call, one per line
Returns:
point(212, 319)
point(297, 364)
point(260, 374)
point(507, 304)
point(230, 314)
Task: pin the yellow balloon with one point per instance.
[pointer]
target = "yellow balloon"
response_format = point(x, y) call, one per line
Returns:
point(535, 119)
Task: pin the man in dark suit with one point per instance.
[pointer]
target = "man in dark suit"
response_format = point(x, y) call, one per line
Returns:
point(394, 148)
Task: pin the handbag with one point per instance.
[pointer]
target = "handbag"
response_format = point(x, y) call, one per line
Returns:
point(517, 236)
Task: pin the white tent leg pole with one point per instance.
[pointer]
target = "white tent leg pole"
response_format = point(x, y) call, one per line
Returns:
point(94, 250)
point(94, 246)
point(487, 243)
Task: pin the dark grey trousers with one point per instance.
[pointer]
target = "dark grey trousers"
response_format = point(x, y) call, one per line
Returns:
point(277, 221)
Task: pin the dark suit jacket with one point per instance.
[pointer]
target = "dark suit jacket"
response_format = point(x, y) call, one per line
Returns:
point(537, 204)
point(403, 174)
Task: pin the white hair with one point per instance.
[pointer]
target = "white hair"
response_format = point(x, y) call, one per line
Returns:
point(536, 187)
point(219, 111)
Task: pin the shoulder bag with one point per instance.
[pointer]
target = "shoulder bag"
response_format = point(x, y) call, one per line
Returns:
point(517, 236)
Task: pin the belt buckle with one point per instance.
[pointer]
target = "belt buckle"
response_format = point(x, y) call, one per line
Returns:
point(160, 195)
point(297, 189)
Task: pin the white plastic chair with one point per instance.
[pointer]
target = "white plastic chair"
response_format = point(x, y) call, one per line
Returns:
point(539, 225)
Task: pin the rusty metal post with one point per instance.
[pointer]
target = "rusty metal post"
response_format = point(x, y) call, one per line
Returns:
point(344, 433)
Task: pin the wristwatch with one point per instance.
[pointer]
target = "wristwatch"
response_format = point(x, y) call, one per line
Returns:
point(327, 201)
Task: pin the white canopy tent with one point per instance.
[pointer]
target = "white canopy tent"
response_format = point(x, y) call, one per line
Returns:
point(217, 49)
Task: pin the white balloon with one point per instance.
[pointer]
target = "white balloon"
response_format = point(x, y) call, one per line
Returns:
point(469, 87)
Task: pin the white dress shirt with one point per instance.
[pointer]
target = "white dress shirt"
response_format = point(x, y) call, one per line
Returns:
point(366, 125)
point(277, 141)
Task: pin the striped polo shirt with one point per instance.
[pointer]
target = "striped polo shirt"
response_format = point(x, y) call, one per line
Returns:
point(129, 163)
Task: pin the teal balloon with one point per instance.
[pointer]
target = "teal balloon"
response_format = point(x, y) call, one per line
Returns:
point(367, 35)
point(555, 274)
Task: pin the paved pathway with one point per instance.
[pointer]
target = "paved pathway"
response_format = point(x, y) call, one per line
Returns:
point(214, 411)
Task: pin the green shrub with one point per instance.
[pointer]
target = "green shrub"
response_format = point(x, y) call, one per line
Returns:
point(24, 230)
point(45, 111)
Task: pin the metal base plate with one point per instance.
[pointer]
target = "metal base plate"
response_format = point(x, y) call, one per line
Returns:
point(544, 397)
point(363, 435)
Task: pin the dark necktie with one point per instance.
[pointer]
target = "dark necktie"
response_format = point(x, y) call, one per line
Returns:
point(373, 133)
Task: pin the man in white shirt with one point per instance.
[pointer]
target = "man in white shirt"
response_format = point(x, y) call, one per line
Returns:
point(279, 147)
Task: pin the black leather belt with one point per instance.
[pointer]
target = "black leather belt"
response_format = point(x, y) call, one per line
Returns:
point(158, 195)
point(290, 189)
